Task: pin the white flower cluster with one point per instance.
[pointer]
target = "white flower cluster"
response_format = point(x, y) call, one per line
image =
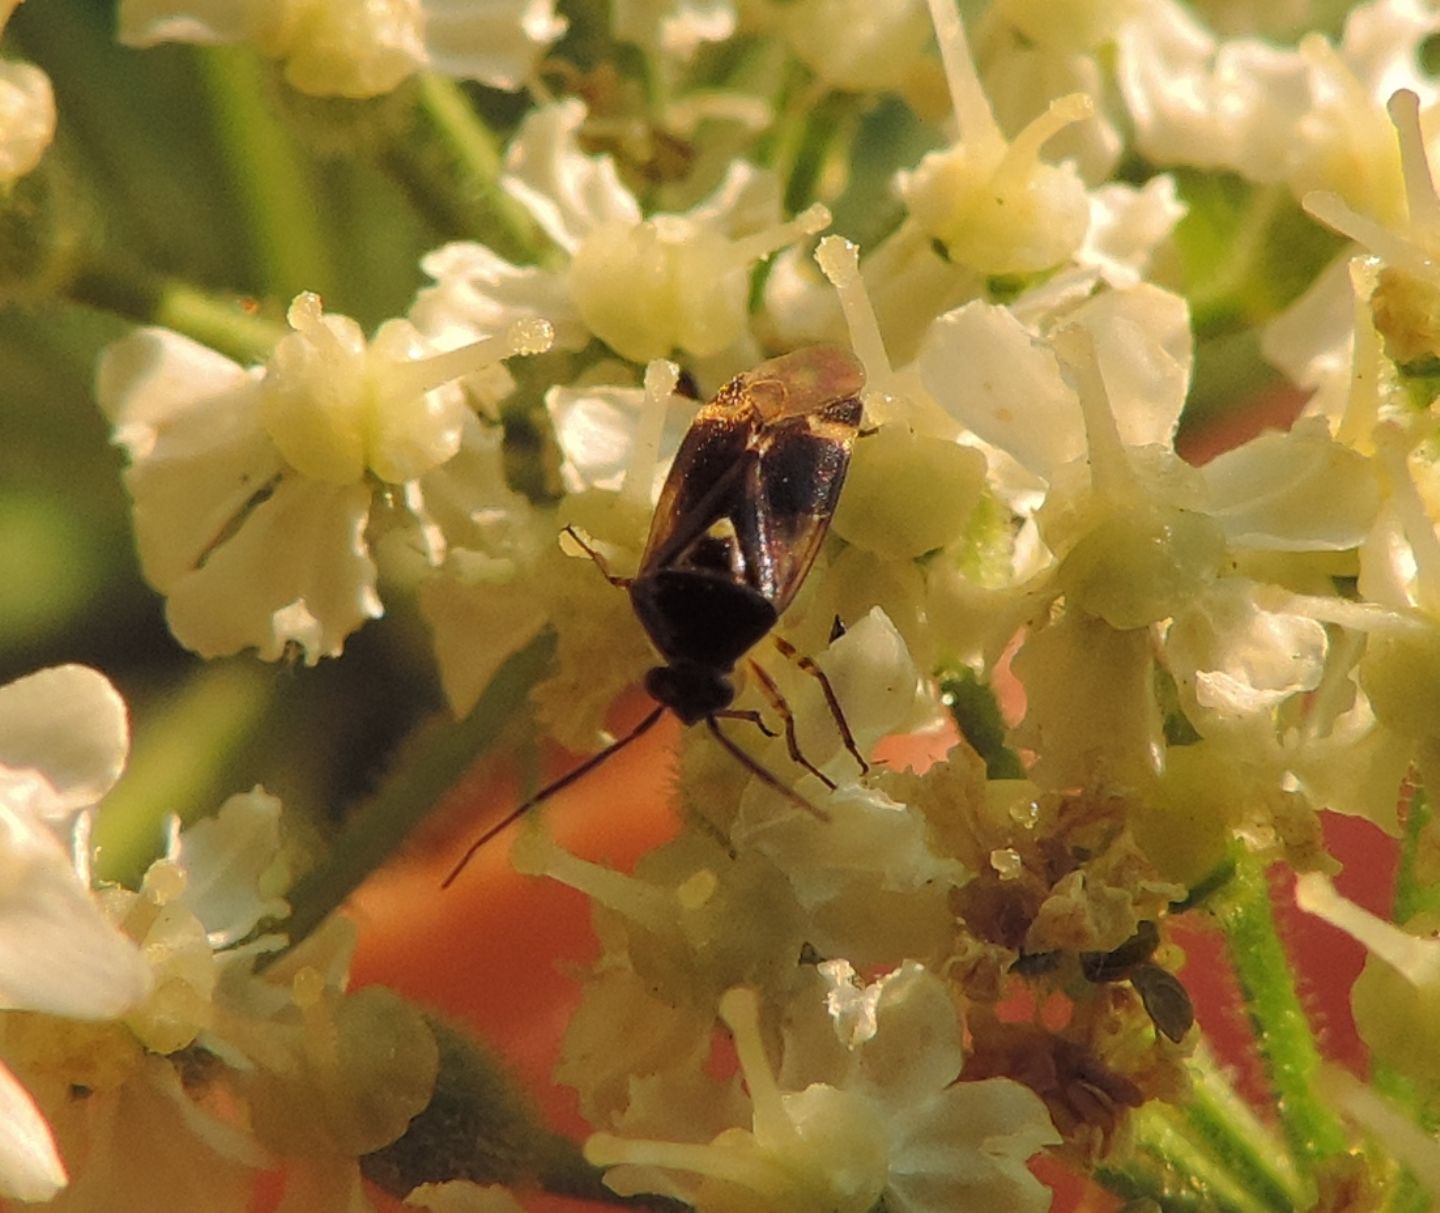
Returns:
point(1208, 654)
point(27, 112)
point(108, 996)
point(361, 48)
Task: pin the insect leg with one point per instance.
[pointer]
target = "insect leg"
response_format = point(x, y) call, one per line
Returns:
point(600, 562)
point(550, 789)
point(762, 774)
point(808, 665)
point(782, 709)
point(747, 714)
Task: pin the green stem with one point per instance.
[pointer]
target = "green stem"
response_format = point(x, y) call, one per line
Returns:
point(825, 124)
point(480, 1126)
point(1413, 895)
point(1177, 1173)
point(449, 163)
point(271, 178)
point(429, 769)
point(1228, 274)
point(224, 324)
point(1229, 1129)
point(1283, 1036)
point(779, 148)
point(1211, 1153)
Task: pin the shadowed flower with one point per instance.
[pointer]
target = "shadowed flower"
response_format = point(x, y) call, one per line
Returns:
point(892, 1124)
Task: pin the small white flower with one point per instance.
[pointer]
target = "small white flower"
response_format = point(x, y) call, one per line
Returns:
point(646, 286)
point(1236, 661)
point(892, 1124)
point(253, 489)
point(673, 28)
point(1301, 491)
point(1004, 382)
point(1309, 116)
point(993, 204)
point(27, 119)
point(297, 1068)
point(361, 48)
point(867, 47)
point(506, 577)
point(63, 741)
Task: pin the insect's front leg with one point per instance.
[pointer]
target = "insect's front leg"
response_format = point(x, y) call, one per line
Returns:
point(782, 709)
point(600, 562)
point(810, 667)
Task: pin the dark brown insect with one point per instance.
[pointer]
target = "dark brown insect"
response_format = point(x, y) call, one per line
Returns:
point(1165, 999)
point(741, 517)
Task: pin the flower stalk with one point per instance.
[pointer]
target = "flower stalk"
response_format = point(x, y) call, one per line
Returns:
point(432, 767)
point(1283, 1036)
point(271, 178)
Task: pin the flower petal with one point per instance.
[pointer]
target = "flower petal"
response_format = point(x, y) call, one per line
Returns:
point(233, 867)
point(569, 193)
point(189, 420)
point(297, 571)
point(496, 42)
point(148, 22)
point(477, 293)
point(58, 952)
point(480, 611)
point(68, 724)
point(996, 379)
point(30, 1166)
point(968, 1150)
point(461, 1196)
point(27, 118)
point(596, 429)
point(915, 1051)
point(1295, 492)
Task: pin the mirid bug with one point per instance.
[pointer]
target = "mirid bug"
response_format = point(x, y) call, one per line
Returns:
point(738, 525)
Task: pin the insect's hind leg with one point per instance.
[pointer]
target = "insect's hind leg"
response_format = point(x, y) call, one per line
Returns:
point(599, 561)
point(765, 777)
point(808, 665)
point(746, 714)
point(782, 709)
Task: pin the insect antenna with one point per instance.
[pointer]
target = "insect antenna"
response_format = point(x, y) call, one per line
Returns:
point(762, 774)
point(550, 789)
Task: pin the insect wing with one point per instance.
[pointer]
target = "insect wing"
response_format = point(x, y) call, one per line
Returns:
point(708, 480)
point(756, 479)
point(803, 461)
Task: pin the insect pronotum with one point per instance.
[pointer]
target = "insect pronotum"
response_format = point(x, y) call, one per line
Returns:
point(739, 522)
